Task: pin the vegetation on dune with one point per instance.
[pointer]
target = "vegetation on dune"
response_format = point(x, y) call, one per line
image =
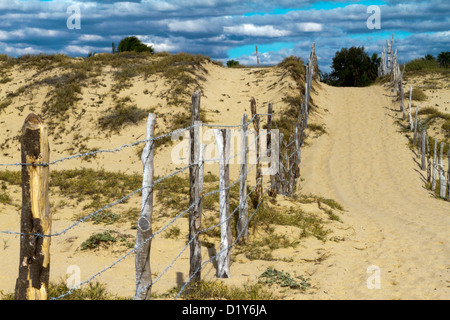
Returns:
point(132, 43)
point(352, 67)
point(429, 63)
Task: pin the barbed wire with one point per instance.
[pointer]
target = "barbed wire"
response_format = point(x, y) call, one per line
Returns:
point(228, 247)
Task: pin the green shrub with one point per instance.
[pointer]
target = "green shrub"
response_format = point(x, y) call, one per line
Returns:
point(96, 239)
point(134, 44)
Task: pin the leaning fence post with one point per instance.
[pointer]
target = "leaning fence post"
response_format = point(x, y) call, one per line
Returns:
point(424, 134)
point(36, 220)
point(448, 174)
point(223, 258)
point(433, 176)
point(256, 124)
point(411, 125)
point(415, 126)
point(195, 200)
point(144, 225)
point(443, 183)
point(428, 160)
point(241, 227)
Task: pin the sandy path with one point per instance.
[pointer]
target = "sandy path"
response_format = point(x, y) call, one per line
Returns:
point(364, 163)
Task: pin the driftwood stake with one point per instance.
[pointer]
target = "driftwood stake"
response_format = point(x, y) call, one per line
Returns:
point(256, 124)
point(433, 176)
point(195, 213)
point(415, 126)
point(242, 227)
point(223, 137)
point(443, 183)
point(36, 220)
point(144, 225)
point(424, 136)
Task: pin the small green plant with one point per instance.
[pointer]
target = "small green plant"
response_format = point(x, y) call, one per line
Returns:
point(120, 116)
point(96, 239)
point(418, 95)
point(215, 290)
point(105, 217)
point(173, 233)
point(273, 276)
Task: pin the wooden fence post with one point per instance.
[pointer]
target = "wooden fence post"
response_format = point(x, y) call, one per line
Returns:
point(411, 125)
point(433, 176)
point(223, 137)
point(36, 220)
point(271, 151)
point(195, 200)
point(448, 174)
point(144, 225)
point(256, 124)
point(443, 183)
point(428, 160)
point(424, 136)
point(281, 175)
point(242, 227)
point(402, 105)
point(415, 126)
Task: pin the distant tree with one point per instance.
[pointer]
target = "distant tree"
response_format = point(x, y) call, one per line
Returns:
point(232, 63)
point(443, 59)
point(134, 44)
point(429, 57)
point(353, 67)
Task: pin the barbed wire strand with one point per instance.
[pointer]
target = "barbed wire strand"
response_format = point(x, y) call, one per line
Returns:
point(226, 248)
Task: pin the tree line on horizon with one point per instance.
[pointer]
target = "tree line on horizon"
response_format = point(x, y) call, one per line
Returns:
point(353, 67)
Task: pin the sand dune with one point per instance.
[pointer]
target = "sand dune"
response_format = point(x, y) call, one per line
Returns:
point(390, 220)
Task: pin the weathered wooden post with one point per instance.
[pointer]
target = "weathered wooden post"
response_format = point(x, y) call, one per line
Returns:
point(424, 136)
point(433, 177)
point(195, 200)
point(242, 227)
point(36, 220)
point(415, 126)
point(144, 224)
point(281, 174)
point(223, 137)
point(256, 125)
point(443, 183)
point(257, 56)
point(448, 174)
point(271, 151)
point(411, 124)
point(428, 160)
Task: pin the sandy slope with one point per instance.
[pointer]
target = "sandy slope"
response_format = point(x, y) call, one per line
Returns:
point(363, 163)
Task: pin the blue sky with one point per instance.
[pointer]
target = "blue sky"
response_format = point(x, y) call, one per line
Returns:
point(226, 29)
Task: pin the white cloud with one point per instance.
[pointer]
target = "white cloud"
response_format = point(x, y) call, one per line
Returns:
point(309, 27)
point(249, 29)
point(91, 37)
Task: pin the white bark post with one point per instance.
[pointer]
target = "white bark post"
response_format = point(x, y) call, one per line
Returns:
point(242, 227)
point(144, 224)
point(415, 126)
point(448, 174)
point(223, 258)
point(411, 124)
point(443, 183)
point(402, 94)
point(428, 160)
point(433, 177)
point(195, 200)
point(424, 134)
